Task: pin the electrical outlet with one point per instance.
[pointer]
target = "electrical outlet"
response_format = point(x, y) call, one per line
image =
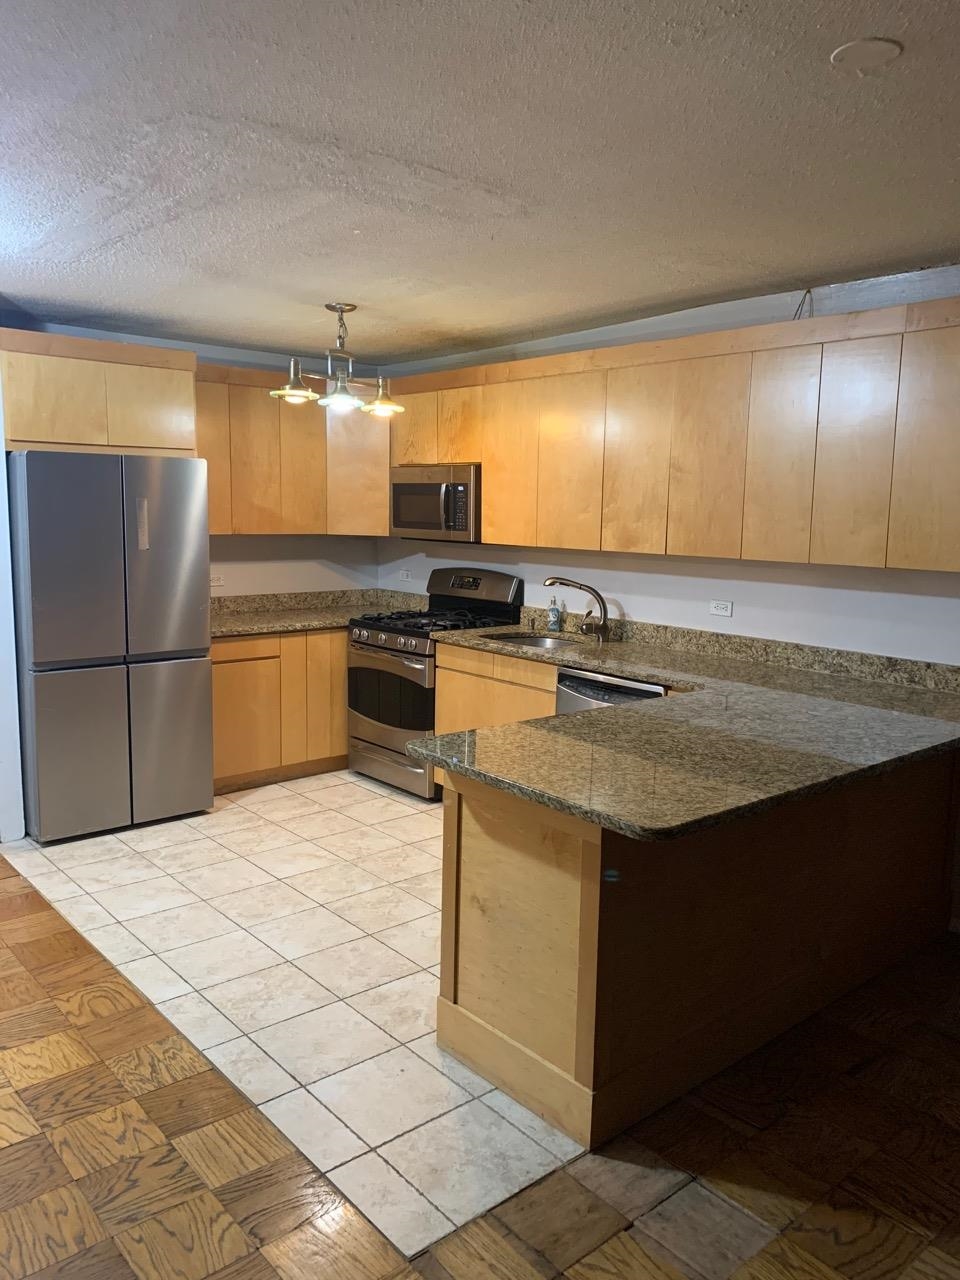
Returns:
point(406, 575)
point(216, 579)
point(721, 608)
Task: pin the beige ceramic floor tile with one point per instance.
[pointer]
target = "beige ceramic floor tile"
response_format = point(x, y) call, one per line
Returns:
point(380, 908)
point(293, 859)
point(422, 826)
point(317, 826)
point(180, 926)
point(204, 964)
point(267, 902)
point(400, 863)
point(418, 940)
point(320, 1043)
point(307, 931)
point(145, 897)
point(356, 966)
point(402, 1214)
point(406, 1008)
point(224, 877)
point(310, 1126)
point(358, 843)
point(270, 995)
point(339, 881)
point(251, 1070)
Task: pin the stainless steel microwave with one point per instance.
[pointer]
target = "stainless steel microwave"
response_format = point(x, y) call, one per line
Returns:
point(439, 504)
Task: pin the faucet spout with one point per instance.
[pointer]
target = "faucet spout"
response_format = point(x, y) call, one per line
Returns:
point(598, 627)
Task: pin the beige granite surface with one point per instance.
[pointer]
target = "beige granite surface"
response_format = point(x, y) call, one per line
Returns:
point(733, 737)
point(302, 610)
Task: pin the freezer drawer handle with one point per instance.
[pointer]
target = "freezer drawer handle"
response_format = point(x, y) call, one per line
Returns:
point(143, 525)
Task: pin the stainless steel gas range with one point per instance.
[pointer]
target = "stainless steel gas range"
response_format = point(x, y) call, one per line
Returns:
point(392, 669)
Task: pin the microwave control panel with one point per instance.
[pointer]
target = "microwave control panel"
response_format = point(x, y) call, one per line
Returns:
point(459, 518)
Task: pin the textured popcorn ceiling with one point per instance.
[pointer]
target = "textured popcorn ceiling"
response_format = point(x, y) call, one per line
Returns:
point(470, 172)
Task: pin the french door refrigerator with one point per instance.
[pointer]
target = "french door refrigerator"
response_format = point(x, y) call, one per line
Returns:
point(112, 606)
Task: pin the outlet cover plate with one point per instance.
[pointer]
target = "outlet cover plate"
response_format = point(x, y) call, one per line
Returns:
point(721, 608)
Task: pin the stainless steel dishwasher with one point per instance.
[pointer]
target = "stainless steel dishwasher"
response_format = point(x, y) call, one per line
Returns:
point(585, 690)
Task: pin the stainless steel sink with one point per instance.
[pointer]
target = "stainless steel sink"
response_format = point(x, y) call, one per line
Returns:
point(531, 641)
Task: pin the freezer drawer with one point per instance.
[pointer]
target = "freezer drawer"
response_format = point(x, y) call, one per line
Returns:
point(76, 755)
point(66, 512)
point(167, 556)
point(171, 738)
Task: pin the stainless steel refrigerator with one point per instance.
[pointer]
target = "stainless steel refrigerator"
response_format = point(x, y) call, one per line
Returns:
point(112, 603)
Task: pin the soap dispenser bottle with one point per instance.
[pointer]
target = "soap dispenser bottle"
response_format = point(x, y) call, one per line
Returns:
point(553, 615)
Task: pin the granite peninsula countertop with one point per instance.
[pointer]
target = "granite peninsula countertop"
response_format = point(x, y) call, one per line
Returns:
point(735, 737)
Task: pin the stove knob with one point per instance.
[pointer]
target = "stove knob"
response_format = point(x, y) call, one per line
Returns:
point(400, 642)
point(355, 633)
point(411, 643)
point(364, 635)
point(382, 638)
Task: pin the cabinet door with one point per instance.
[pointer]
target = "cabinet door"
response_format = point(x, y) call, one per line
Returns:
point(858, 413)
point(458, 424)
point(151, 408)
point(255, 461)
point(293, 697)
point(303, 468)
point(413, 434)
point(925, 497)
point(53, 399)
point(570, 466)
point(781, 449)
point(358, 474)
point(476, 702)
point(636, 458)
point(510, 448)
point(213, 443)
point(708, 456)
point(326, 694)
point(246, 717)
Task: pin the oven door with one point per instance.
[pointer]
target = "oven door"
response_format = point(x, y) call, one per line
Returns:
point(390, 696)
point(436, 504)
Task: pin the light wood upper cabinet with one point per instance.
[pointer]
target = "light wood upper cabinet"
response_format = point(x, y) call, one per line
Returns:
point(570, 468)
point(858, 411)
point(925, 497)
point(459, 425)
point(358, 474)
point(636, 458)
point(213, 443)
point(255, 461)
point(413, 434)
point(303, 468)
point(781, 448)
point(53, 398)
point(510, 451)
point(150, 408)
point(708, 456)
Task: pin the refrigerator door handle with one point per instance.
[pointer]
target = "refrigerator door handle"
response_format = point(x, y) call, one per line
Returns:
point(143, 525)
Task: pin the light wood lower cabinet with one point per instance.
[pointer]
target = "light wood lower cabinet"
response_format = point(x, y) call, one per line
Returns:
point(246, 705)
point(279, 705)
point(477, 690)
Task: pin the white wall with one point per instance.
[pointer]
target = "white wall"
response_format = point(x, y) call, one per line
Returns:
point(263, 565)
point(897, 612)
point(11, 793)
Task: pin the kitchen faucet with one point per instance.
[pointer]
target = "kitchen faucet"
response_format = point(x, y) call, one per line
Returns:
point(590, 626)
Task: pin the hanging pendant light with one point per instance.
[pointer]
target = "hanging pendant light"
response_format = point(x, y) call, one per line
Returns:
point(382, 406)
point(340, 397)
point(296, 390)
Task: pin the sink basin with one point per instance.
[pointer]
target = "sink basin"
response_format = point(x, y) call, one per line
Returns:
point(531, 641)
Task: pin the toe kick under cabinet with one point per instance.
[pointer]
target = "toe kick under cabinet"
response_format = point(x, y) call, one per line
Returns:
point(279, 706)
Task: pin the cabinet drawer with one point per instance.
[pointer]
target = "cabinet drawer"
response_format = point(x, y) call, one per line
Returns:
point(474, 661)
point(243, 648)
point(535, 675)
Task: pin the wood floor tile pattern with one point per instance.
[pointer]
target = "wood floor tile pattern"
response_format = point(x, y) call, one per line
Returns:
point(831, 1154)
point(124, 1155)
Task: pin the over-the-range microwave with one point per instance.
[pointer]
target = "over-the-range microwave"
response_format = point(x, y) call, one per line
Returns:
point(439, 504)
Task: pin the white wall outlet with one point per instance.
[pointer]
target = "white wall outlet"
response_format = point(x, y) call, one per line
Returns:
point(721, 608)
point(406, 575)
point(216, 579)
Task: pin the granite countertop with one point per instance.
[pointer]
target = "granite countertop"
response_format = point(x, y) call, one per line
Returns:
point(270, 621)
point(735, 737)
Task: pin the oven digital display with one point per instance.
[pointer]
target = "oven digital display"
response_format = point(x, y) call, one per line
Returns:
point(460, 582)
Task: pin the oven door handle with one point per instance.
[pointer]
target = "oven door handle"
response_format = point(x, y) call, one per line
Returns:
point(444, 494)
point(421, 671)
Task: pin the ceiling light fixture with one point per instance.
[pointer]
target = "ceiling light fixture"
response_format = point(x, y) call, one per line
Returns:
point(382, 406)
point(341, 397)
point(861, 57)
point(296, 390)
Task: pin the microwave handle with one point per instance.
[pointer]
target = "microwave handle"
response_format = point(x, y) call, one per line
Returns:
point(444, 494)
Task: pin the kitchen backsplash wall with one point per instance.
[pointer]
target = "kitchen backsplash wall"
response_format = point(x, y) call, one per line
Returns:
point(261, 565)
point(894, 612)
